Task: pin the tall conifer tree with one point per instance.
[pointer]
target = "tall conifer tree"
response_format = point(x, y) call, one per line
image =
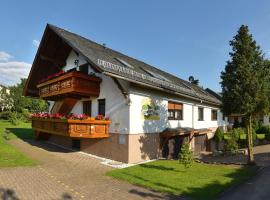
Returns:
point(245, 82)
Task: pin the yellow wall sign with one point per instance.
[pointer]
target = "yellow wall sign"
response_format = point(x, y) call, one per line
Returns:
point(150, 109)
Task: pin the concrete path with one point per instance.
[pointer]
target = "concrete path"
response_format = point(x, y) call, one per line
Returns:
point(66, 175)
point(255, 189)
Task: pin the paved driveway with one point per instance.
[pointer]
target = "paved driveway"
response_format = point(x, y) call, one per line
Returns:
point(256, 188)
point(62, 174)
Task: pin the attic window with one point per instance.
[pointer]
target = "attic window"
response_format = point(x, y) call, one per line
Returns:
point(124, 63)
point(156, 75)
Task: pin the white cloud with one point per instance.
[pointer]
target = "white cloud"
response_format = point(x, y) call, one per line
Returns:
point(11, 72)
point(4, 56)
point(36, 43)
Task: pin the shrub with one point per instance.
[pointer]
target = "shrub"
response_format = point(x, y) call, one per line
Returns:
point(219, 135)
point(227, 136)
point(232, 145)
point(14, 118)
point(243, 136)
point(186, 155)
point(5, 115)
point(264, 130)
point(260, 136)
point(236, 133)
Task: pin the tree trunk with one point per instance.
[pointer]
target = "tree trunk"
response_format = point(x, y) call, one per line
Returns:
point(250, 141)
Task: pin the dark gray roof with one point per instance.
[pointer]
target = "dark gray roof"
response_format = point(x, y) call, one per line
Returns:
point(110, 61)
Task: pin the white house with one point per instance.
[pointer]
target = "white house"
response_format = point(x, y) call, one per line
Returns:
point(151, 111)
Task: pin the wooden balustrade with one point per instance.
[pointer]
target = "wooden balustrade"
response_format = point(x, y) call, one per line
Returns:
point(71, 84)
point(87, 128)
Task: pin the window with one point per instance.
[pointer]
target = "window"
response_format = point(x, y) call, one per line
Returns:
point(87, 107)
point(200, 114)
point(101, 107)
point(84, 68)
point(175, 111)
point(214, 115)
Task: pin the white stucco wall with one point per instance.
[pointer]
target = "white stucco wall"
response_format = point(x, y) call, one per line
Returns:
point(128, 118)
point(116, 106)
point(71, 59)
point(190, 119)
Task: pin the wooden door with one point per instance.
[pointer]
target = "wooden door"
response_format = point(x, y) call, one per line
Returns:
point(200, 144)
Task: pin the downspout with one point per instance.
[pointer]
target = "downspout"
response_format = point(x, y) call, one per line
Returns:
point(192, 131)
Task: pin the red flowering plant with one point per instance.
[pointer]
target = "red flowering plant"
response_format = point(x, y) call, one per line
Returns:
point(57, 116)
point(48, 116)
point(52, 76)
point(77, 116)
point(101, 117)
point(41, 115)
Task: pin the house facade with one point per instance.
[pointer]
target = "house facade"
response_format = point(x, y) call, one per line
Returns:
point(151, 113)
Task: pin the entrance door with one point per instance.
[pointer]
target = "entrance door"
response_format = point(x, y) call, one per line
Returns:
point(200, 144)
point(172, 146)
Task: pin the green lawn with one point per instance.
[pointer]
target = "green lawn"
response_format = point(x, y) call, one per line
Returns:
point(9, 155)
point(201, 181)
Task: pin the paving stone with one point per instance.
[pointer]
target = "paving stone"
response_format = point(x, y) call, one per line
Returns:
point(65, 175)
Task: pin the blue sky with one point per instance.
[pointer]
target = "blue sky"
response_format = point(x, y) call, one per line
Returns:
point(181, 37)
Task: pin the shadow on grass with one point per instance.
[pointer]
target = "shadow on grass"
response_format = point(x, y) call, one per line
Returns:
point(10, 194)
point(206, 191)
point(27, 135)
point(158, 167)
point(22, 133)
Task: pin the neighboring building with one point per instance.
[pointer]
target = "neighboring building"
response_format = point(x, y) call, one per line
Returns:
point(151, 111)
point(4, 103)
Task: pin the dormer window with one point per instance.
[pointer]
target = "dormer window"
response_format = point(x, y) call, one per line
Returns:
point(126, 64)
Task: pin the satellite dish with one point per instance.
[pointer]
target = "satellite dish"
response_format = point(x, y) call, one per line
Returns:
point(191, 79)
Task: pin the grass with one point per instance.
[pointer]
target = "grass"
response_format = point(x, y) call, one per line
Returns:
point(201, 181)
point(9, 155)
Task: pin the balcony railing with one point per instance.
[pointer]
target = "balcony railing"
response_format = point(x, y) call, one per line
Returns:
point(86, 128)
point(72, 84)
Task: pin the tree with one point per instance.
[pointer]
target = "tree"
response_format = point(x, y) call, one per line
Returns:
point(193, 80)
point(5, 100)
point(245, 88)
point(21, 103)
point(186, 155)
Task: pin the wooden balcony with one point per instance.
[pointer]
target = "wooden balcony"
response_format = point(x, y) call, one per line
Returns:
point(72, 128)
point(72, 84)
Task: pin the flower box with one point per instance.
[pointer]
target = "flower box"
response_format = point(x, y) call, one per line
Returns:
point(75, 128)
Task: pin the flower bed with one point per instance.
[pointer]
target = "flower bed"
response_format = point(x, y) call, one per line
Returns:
point(70, 116)
point(52, 76)
point(81, 126)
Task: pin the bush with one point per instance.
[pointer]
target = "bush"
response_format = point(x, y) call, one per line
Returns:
point(260, 136)
point(264, 130)
point(232, 146)
point(243, 136)
point(186, 156)
point(5, 115)
point(227, 136)
point(14, 118)
point(219, 135)
point(236, 133)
